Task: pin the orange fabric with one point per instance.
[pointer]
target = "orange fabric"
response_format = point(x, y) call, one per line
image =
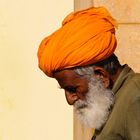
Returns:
point(86, 37)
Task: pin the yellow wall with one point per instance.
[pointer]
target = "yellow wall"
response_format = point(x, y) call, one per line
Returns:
point(31, 105)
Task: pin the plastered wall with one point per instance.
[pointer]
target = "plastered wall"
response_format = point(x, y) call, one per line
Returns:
point(32, 107)
point(127, 13)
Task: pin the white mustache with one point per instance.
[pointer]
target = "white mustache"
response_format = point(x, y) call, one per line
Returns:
point(81, 106)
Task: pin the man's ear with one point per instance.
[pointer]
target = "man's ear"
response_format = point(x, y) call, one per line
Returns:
point(102, 74)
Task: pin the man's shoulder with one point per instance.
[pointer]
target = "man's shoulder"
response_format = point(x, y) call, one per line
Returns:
point(130, 89)
point(136, 78)
point(133, 82)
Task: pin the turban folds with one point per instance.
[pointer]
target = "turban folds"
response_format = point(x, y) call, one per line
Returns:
point(86, 37)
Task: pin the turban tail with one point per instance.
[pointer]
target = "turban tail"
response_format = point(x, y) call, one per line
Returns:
point(86, 37)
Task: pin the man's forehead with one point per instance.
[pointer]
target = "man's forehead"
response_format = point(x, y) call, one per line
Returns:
point(63, 74)
point(66, 76)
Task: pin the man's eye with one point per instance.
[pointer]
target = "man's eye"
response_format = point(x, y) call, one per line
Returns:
point(71, 89)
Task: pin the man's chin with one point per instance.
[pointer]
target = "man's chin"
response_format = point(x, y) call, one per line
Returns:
point(90, 118)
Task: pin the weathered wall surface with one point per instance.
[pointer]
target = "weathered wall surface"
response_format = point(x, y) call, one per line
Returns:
point(127, 13)
point(128, 33)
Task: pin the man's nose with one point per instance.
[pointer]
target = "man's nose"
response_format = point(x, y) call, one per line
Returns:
point(71, 97)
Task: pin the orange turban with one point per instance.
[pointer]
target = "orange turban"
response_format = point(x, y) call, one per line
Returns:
point(86, 37)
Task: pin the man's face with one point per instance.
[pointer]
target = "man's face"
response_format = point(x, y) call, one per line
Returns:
point(75, 87)
point(90, 98)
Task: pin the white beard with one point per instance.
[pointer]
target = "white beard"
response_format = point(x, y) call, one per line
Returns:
point(94, 111)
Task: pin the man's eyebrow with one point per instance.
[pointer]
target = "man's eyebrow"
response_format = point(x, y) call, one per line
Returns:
point(66, 86)
point(61, 87)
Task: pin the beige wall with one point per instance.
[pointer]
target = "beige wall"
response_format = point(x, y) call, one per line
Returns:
point(128, 33)
point(127, 14)
point(31, 105)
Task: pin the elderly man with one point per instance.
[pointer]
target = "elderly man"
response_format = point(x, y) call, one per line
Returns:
point(80, 56)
